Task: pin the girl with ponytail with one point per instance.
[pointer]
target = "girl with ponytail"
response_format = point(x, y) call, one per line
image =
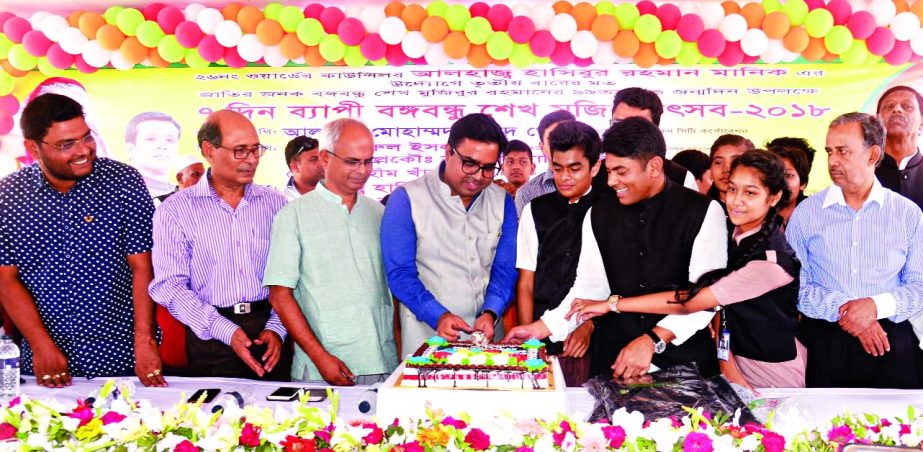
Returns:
point(756, 296)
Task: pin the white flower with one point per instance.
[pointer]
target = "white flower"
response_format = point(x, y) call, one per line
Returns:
point(750, 442)
point(663, 433)
point(724, 443)
point(632, 422)
point(569, 442)
point(38, 441)
point(70, 423)
point(169, 442)
point(544, 444)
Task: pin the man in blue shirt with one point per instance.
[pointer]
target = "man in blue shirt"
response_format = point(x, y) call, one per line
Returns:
point(862, 267)
point(448, 240)
point(75, 254)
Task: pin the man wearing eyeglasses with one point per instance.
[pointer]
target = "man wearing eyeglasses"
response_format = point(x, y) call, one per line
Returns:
point(303, 159)
point(75, 254)
point(211, 242)
point(448, 240)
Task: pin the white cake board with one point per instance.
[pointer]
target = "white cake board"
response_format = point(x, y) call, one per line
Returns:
point(481, 404)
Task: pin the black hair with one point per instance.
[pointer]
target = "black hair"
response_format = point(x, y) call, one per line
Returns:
point(901, 88)
point(796, 143)
point(551, 119)
point(517, 146)
point(694, 160)
point(131, 129)
point(644, 99)
point(210, 132)
point(732, 140)
point(296, 145)
point(478, 127)
point(45, 110)
point(873, 131)
point(575, 134)
point(798, 159)
point(635, 138)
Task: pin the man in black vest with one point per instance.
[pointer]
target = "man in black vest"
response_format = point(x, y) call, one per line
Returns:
point(654, 235)
point(902, 167)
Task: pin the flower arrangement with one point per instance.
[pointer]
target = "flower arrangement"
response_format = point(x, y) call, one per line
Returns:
point(117, 422)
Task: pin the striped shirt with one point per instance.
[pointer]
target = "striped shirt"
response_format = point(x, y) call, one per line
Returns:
point(846, 255)
point(208, 255)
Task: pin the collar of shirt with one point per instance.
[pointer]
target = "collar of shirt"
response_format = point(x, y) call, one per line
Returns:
point(738, 236)
point(446, 191)
point(205, 189)
point(291, 182)
point(581, 198)
point(548, 178)
point(39, 180)
point(903, 163)
point(835, 195)
point(332, 197)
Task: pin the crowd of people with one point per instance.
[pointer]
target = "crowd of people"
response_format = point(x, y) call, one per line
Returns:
point(623, 261)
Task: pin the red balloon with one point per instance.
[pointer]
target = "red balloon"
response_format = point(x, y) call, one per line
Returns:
point(841, 10)
point(188, 34)
point(6, 123)
point(168, 18)
point(479, 9)
point(15, 28)
point(881, 41)
point(373, 47)
point(499, 16)
point(9, 104)
point(690, 27)
point(83, 66)
point(712, 43)
point(58, 58)
point(351, 31)
point(814, 4)
point(900, 54)
point(562, 55)
point(151, 11)
point(210, 50)
point(395, 55)
point(669, 15)
point(330, 18)
point(732, 55)
point(521, 29)
point(36, 43)
point(646, 7)
point(582, 62)
point(750, 59)
point(232, 59)
point(861, 24)
point(542, 43)
point(313, 11)
point(4, 15)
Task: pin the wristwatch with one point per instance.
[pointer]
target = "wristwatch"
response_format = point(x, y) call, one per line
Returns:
point(492, 314)
point(659, 344)
point(613, 302)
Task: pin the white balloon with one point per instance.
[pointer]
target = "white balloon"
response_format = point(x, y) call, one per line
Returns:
point(119, 62)
point(299, 60)
point(228, 33)
point(584, 44)
point(711, 13)
point(354, 10)
point(563, 27)
point(273, 56)
point(905, 26)
point(774, 52)
point(192, 10)
point(53, 25)
point(435, 55)
point(371, 17)
point(414, 44)
point(95, 55)
point(250, 48)
point(392, 30)
point(521, 9)
point(622, 60)
point(72, 40)
point(36, 19)
point(687, 7)
point(605, 54)
point(542, 14)
point(733, 27)
point(208, 19)
point(791, 56)
point(754, 42)
point(883, 11)
point(916, 43)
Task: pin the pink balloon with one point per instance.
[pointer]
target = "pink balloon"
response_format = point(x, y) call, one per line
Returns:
point(168, 18)
point(646, 7)
point(6, 123)
point(732, 55)
point(521, 29)
point(841, 10)
point(232, 59)
point(210, 49)
point(690, 27)
point(396, 56)
point(479, 9)
point(711, 43)
point(900, 54)
point(188, 34)
point(9, 104)
point(499, 16)
point(83, 66)
point(373, 47)
point(861, 24)
point(351, 31)
point(330, 18)
point(421, 61)
point(58, 58)
point(313, 11)
point(36, 43)
point(669, 15)
point(15, 28)
point(582, 62)
point(151, 11)
point(542, 43)
point(881, 41)
point(750, 59)
point(562, 55)
point(814, 4)
point(4, 15)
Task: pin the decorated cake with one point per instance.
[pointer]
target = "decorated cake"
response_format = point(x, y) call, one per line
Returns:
point(477, 364)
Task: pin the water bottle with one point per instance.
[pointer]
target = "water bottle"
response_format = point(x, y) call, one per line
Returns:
point(232, 402)
point(9, 374)
point(369, 399)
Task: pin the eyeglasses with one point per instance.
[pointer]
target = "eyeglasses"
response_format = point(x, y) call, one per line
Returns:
point(242, 152)
point(354, 163)
point(471, 166)
point(613, 121)
point(309, 145)
point(66, 146)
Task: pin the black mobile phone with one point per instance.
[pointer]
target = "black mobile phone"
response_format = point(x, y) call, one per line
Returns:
point(210, 395)
point(285, 393)
point(317, 394)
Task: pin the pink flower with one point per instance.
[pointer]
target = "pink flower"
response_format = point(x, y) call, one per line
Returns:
point(14, 402)
point(186, 446)
point(112, 417)
point(905, 429)
point(841, 435)
point(524, 449)
point(675, 422)
point(615, 434)
point(773, 442)
point(7, 431)
point(83, 412)
point(410, 447)
point(697, 442)
point(296, 444)
point(477, 439)
point(559, 436)
point(250, 435)
point(375, 436)
point(452, 422)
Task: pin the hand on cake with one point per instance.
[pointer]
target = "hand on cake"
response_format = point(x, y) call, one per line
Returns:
point(450, 325)
point(485, 324)
point(587, 309)
point(334, 371)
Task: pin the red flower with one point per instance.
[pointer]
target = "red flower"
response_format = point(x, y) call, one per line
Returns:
point(524, 449)
point(374, 437)
point(477, 439)
point(840, 435)
point(559, 437)
point(112, 417)
point(697, 442)
point(250, 435)
point(409, 447)
point(615, 434)
point(675, 422)
point(773, 442)
point(7, 431)
point(186, 446)
point(82, 412)
point(452, 422)
point(905, 429)
point(296, 444)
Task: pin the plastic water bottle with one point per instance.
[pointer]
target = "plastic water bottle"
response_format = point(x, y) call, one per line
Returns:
point(369, 399)
point(9, 374)
point(232, 401)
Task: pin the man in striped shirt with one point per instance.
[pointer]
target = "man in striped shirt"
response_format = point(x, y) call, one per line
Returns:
point(210, 248)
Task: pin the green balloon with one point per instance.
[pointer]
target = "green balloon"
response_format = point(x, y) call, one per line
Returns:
point(818, 23)
point(478, 30)
point(354, 57)
point(857, 54)
point(838, 40)
point(5, 46)
point(7, 84)
point(290, 17)
point(668, 44)
point(194, 60)
point(457, 16)
point(771, 6)
point(149, 33)
point(21, 59)
point(437, 8)
point(500, 45)
point(112, 14)
point(272, 10)
point(648, 28)
point(128, 21)
point(45, 67)
point(605, 7)
point(310, 32)
point(542, 60)
point(626, 14)
point(522, 56)
point(689, 54)
point(381, 62)
point(706, 60)
point(873, 59)
point(796, 10)
point(170, 49)
point(332, 48)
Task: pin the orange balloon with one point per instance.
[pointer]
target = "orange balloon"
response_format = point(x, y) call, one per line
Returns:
point(89, 23)
point(830, 56)
point(776, 25)
point(605, 27)
point(797, 39)
point(340, 62)
point(132, 50)
point(917, 8)
point(562, 7)
point(231, 10)
point(754, 13)
point(501, 63)
point(313, 58)
point(394, 9)
point(478, 57)
point(434, 29)
point(413, 16)
point(646, 56)
point(291, 47)
point(269, 32)
point(249, 17)
point(626, 44)
point(109, 37)
point(584, 13)
point(902, 6)
point(815, 49)
point(156, 60)
point(665, 61)
point(730, 7)
point(73, 19)
point(456, 45)
point(9, 69)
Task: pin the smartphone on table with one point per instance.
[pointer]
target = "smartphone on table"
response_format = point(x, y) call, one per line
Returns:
point(210, 395)
point(285, 394)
